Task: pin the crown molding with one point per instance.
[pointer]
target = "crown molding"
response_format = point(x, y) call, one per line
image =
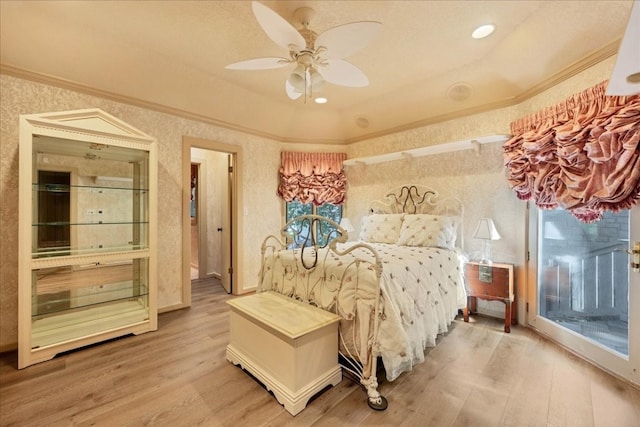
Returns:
point(565, 74)
point(137, 102)
point(568, 72)
point(572, 70)
point(435, 120)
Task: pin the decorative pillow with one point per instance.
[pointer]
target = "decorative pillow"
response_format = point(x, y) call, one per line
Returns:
point(428, 230)
point(381, 228)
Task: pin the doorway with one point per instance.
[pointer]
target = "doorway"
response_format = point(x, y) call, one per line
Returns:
point(193, 210)
point(586, 294)
point(210, 210)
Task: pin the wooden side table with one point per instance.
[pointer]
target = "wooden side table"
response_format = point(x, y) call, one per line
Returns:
point(494, 283)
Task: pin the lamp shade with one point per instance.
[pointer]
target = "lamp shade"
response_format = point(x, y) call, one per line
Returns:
point(345, 223)
point(486, 230)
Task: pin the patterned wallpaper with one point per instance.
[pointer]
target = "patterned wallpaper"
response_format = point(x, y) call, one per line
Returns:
point(477, 180)
point(260, 157)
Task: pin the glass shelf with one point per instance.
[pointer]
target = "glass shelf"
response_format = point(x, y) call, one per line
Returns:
point(72, 287)
point(76, 324)
point(86, 232)
point(58, 251)
point(83, 219)
point(58, 204)
point(64, 188)
point(85, 239)
point(64, 301)
point(67, 224)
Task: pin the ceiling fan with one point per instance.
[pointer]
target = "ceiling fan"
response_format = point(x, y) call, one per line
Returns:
point(318, 58)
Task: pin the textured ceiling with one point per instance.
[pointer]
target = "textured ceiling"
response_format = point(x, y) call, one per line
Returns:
point(172, 54)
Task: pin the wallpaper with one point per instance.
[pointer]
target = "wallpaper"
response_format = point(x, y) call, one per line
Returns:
point(261, 158)
point(478, 180)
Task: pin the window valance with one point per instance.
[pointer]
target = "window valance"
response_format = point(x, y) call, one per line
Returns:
point(582, 155)
point(316, 178)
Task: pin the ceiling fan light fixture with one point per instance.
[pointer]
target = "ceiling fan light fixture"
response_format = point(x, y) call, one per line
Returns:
point(297, 78)
point(318, 58)
point(317, 81)
point(483, 31)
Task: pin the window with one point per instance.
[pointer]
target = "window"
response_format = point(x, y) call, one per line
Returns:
point(301, 232)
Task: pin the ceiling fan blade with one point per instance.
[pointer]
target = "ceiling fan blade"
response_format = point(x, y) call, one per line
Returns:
point(277, 28)
point(291, 92)
point(259, 64)
point(345, 40)
point(343, 73)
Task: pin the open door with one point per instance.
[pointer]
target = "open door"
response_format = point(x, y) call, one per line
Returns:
point(226, 277)
point(217, 217)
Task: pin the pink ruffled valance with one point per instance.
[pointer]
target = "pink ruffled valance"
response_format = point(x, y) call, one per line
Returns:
point(316, 178)
point(582, 155)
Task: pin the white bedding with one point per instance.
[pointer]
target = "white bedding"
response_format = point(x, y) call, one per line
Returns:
point(422, 290)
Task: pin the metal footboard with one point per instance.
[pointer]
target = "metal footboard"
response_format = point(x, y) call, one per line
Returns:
point(310, 262)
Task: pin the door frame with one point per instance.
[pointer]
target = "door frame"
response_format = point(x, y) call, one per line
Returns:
point(234, 218)
point(626, 368)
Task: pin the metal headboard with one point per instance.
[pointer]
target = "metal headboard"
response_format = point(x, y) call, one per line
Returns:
point(419, 199)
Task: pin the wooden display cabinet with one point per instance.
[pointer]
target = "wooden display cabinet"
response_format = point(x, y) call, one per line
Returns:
point(493, 282)
point(87, 232)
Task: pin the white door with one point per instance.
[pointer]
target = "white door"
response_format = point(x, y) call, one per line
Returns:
point(227, 196)
point(586, 295)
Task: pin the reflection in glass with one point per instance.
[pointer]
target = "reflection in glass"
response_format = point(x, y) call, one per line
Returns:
point(584, 276)
point(89, 198)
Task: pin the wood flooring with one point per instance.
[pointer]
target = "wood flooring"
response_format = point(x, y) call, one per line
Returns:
point(178, 376)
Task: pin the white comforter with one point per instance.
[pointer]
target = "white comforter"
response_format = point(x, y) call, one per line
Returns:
point(422, 290)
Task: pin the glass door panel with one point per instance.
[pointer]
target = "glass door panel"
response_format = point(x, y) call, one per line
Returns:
point(586, 290)
point(585, 276)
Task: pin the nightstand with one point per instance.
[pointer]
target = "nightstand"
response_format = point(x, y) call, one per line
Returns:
point(494, 283)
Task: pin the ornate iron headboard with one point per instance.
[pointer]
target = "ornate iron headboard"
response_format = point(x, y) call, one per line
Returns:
point(419, 199)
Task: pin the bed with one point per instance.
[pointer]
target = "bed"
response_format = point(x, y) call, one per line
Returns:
point(396, 289)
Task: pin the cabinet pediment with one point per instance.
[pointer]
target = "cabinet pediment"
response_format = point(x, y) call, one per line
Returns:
point(93, 120)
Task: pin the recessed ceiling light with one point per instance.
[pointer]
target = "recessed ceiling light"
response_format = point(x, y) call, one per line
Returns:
point(321, 100)
point(483, 31)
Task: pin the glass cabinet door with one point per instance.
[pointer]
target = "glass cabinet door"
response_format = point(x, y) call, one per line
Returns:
point(101, 206)
point(87, 239)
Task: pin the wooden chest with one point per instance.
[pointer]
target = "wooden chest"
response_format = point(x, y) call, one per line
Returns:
point(491, 282)
point(291, 347)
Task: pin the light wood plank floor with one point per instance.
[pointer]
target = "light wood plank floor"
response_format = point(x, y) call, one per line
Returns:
point(178, 376)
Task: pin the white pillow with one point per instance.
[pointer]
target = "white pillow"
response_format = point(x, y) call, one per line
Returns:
point(429, 230)
point(381, 228)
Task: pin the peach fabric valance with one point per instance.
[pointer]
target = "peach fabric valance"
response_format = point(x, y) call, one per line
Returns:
point(316, 178)
point(582, 155)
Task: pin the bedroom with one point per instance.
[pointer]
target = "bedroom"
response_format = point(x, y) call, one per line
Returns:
point(27, 88)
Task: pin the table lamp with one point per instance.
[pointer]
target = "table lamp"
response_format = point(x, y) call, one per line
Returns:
point(486, 231)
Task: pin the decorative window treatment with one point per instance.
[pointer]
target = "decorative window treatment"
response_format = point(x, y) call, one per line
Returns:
point(316, 178)
point(582, 155)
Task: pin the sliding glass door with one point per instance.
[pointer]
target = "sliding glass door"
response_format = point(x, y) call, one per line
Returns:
point(587, 296)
